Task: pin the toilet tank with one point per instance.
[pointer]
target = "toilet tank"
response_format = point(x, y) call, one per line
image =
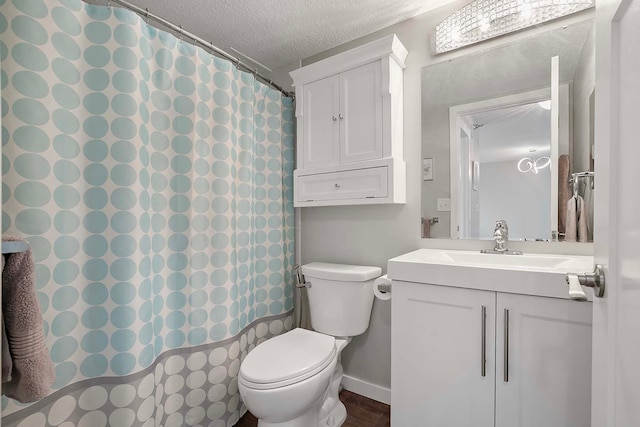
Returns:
point(340, 297)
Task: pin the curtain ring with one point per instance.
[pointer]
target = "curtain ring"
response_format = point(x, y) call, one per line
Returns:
point(108, 4)
point(147, 16)
point(181, 33)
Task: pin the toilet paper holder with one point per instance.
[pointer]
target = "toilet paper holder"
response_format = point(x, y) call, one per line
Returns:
point(384, 287)
point(593, 280)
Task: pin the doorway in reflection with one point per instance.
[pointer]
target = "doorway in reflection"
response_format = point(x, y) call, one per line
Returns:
point(510, 148)
point(506, 157)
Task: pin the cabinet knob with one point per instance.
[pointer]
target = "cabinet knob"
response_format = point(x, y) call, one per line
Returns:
point(334, 118)
point(341, 117)
point(337, 185)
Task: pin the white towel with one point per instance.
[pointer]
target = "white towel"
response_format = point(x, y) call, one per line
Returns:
point(577, 216)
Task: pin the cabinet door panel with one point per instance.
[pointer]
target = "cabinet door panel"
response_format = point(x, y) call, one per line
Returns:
point(361, 109)
point(549, 362)
point(321, 141)
point(436, 357)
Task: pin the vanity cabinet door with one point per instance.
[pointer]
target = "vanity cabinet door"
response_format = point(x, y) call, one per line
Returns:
point(543, 362)
point(321, 141)
point(437, 375)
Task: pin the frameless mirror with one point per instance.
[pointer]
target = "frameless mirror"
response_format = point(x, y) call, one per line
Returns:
point(507, 134)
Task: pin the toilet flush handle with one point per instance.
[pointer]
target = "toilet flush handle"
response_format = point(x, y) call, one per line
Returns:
point(300, 280)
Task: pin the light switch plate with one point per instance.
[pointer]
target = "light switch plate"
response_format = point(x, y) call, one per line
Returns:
point(444, 205)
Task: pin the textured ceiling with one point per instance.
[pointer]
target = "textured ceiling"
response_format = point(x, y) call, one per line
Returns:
point(508, 133)
point(524, 65)
point(278, 32)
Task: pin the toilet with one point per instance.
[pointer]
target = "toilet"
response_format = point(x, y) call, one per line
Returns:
point(293, 380)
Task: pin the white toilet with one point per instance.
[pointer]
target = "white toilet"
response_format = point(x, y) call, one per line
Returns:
point(293, 380)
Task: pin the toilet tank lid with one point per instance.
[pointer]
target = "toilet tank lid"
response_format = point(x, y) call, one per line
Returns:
point(341, 272)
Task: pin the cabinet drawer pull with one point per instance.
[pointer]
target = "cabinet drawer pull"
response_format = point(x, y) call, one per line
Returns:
point(483, 356)
point(337, 185)
point(334, 118)
point(506, 345)
point(341, 117)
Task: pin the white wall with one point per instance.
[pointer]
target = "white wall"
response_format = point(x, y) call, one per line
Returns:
point(371, 235)
point(281, 75)
point(522, 199)
point(584, 84)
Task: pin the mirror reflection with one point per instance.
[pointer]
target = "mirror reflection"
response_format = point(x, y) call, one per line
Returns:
point(509, 148)
point(505, 131)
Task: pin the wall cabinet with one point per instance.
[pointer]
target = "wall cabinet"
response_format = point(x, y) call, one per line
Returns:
point(343, 123)
point(349, 120)
point(466, 357)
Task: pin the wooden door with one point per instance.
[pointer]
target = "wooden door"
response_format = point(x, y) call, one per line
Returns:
point(616, 343)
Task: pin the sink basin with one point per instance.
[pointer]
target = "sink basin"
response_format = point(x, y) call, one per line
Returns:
point(532, 261)
point(531, 274)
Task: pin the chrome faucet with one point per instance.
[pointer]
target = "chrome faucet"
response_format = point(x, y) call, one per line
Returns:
point(501, 237)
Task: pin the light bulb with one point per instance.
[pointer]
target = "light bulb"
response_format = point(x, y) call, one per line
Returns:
point(546, 105)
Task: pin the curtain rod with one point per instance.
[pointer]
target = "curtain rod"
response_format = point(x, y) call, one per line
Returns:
point(145, 14)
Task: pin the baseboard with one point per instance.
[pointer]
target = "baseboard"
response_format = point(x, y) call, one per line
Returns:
point(367, 389)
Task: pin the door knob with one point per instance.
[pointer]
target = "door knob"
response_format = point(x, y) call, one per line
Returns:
point(593, 280)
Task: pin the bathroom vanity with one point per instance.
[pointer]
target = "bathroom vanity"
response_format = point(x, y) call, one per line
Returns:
point(488, 340)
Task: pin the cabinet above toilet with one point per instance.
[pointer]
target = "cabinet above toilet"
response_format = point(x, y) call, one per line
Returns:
point(350, 127)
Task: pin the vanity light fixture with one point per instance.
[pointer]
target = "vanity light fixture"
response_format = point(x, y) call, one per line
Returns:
point(527, 164)
point(484, 19)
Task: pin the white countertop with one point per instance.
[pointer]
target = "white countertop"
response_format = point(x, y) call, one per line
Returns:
point(529, 274)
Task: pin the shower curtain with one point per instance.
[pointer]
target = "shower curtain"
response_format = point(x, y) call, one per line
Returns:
point(154, 185)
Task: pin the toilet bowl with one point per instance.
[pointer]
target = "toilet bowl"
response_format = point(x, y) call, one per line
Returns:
point(293, 380)
point(285, 381)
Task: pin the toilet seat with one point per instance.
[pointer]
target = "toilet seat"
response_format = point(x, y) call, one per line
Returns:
point(287, 359)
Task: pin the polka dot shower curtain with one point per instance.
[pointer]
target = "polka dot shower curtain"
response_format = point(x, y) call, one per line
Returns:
point(154, 185)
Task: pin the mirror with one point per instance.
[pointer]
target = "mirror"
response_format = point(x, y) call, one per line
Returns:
point(503, 130)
